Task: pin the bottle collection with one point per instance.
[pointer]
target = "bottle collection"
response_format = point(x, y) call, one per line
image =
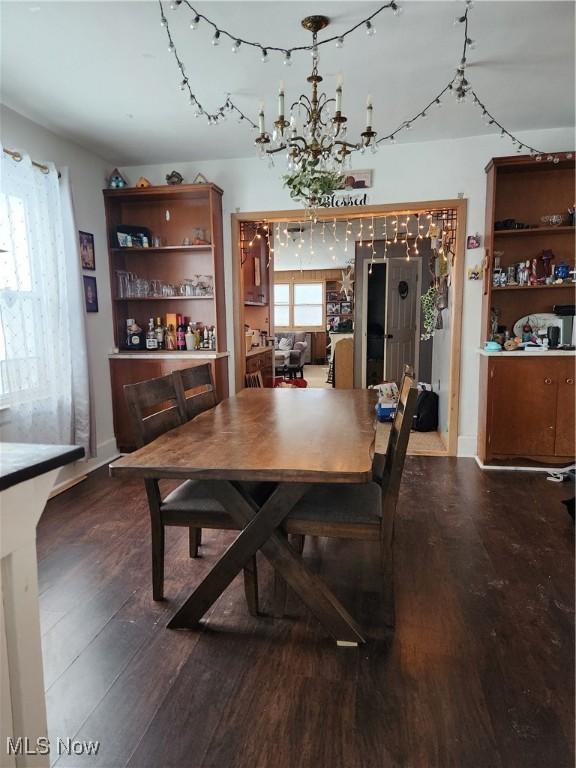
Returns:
point(177, 334)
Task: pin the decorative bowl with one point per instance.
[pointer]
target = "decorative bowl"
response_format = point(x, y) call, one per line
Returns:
point(554, 219)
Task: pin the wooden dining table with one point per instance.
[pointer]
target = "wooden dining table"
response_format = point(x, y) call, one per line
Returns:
point(291, 438)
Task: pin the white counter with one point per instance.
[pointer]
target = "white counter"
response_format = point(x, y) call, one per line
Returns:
point(531, 352)
point(203, 354)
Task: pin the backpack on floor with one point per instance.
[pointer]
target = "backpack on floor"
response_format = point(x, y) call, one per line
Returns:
point(426, 416)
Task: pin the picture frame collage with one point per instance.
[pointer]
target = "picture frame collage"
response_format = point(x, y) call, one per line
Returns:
point(88, 262)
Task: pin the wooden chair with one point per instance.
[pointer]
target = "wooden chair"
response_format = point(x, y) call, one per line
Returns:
point(254, 380)
point(360, 511)
point(155, 406)
point(195, 390)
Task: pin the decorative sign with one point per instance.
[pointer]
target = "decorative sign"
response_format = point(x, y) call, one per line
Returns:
point(343, 200)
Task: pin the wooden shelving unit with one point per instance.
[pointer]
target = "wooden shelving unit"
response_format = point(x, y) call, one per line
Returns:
point(171, 213)
point(526, 402)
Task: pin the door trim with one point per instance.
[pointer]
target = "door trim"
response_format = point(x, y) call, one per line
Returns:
point(460, 205)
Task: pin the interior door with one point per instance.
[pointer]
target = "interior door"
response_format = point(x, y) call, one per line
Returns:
point(401, 304)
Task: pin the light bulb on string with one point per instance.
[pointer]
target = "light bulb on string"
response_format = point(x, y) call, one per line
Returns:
point(236, 46)
point(340, 42)
point(216, 38)
point(264, 56)
point(370, 29)
point(194, 23)
point(287, 59)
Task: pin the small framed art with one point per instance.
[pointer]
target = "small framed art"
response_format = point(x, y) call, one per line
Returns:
point(90, 294)
point(87, 256)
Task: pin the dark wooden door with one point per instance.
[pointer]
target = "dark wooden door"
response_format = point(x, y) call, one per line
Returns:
point(565, 436)
point(522, 417)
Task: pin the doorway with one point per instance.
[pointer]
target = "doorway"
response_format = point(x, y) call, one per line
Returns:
point(414, 225)
point(391, 319)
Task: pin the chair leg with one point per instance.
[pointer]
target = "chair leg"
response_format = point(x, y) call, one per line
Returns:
point(157, 557)
point(280, 595)
point(251, 586)
point(387, 560)
point(280, 586)
point(194, 540)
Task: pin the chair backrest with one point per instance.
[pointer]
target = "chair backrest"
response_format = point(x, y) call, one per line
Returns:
point(254, 380)
point(387, 468)
point(195, 390)
point(153, 407)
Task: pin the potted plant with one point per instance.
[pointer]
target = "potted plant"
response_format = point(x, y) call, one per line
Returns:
point(310, 184)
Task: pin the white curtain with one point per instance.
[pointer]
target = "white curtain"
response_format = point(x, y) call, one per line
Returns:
point(43, 361)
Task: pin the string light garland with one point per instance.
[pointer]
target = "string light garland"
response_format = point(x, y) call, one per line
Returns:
point(213, 117)
point(459, 85)
point(265, 49)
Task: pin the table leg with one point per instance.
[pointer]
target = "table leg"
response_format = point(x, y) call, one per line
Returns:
point(21, 673)
point(259, 532)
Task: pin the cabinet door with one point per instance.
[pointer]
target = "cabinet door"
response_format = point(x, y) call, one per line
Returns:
point(522, 395)
point(565, 437)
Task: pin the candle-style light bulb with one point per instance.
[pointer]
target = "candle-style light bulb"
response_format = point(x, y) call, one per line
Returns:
point(261, 119)
point(369, 111)
point(281, 99)
point(339, 80)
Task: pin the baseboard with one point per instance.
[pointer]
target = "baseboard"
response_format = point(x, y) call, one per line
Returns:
point(75, 473)
point(467, 446)
point(493, 467)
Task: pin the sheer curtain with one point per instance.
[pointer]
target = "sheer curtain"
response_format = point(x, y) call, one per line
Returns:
point(43, 359)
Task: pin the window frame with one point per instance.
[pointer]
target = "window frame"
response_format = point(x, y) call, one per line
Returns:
point(292, 326)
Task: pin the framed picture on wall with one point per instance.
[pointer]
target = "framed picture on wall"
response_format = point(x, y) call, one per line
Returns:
point(87, 256)
point(90, 294)
point(333, 308)
point(345, 307)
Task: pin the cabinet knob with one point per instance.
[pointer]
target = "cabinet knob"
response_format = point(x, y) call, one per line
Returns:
point(547, 381)
point(569, 381)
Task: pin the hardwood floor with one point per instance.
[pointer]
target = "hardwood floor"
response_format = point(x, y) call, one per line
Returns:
point(479, 673)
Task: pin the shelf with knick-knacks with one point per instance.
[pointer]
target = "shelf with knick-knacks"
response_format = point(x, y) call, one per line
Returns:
point(166, 261)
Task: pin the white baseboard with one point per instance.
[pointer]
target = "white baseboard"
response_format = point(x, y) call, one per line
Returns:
point(79, 470)
point(467, 446)
point(492, 467)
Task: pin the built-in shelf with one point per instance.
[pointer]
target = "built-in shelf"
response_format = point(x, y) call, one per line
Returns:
point(532, 287)
point(533, 231)
point(163, 298)
point(163, 249)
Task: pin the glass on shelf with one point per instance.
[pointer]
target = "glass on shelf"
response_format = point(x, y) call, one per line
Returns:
point(131, 286)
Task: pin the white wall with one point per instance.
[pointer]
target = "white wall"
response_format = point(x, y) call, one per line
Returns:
point(403, 173)
point(88, 178)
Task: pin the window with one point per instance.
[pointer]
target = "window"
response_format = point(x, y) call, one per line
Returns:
point(299, 305)
point(282, 305)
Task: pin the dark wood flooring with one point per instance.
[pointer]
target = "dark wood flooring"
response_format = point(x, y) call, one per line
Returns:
point(479, 673)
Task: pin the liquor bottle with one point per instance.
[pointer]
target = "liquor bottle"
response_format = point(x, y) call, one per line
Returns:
point(151, 340)
point(189, 338)
point(197, 337)
point(170, 338)
point(159, 331)
point(205, 342)
point(180, 334)
point(213, 339)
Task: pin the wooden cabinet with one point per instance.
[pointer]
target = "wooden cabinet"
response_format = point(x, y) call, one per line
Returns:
point(262, 361)
point(319, 343)
point(529, 409)
point(526, 403)
point(179, 272)
point(565, 410)
point(255, 266)
point(130, 368)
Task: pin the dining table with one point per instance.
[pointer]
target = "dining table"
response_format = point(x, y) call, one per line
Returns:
point(290, 438)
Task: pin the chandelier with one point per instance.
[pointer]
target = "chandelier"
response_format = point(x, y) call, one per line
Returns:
point(315, 140)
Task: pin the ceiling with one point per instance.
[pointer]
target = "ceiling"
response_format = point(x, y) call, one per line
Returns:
point(100, 72)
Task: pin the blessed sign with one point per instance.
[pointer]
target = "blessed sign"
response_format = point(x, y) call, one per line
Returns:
point(344, 200)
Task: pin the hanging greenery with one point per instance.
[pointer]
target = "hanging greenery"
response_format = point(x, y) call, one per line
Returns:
point(430, 311)
point(310, 185)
